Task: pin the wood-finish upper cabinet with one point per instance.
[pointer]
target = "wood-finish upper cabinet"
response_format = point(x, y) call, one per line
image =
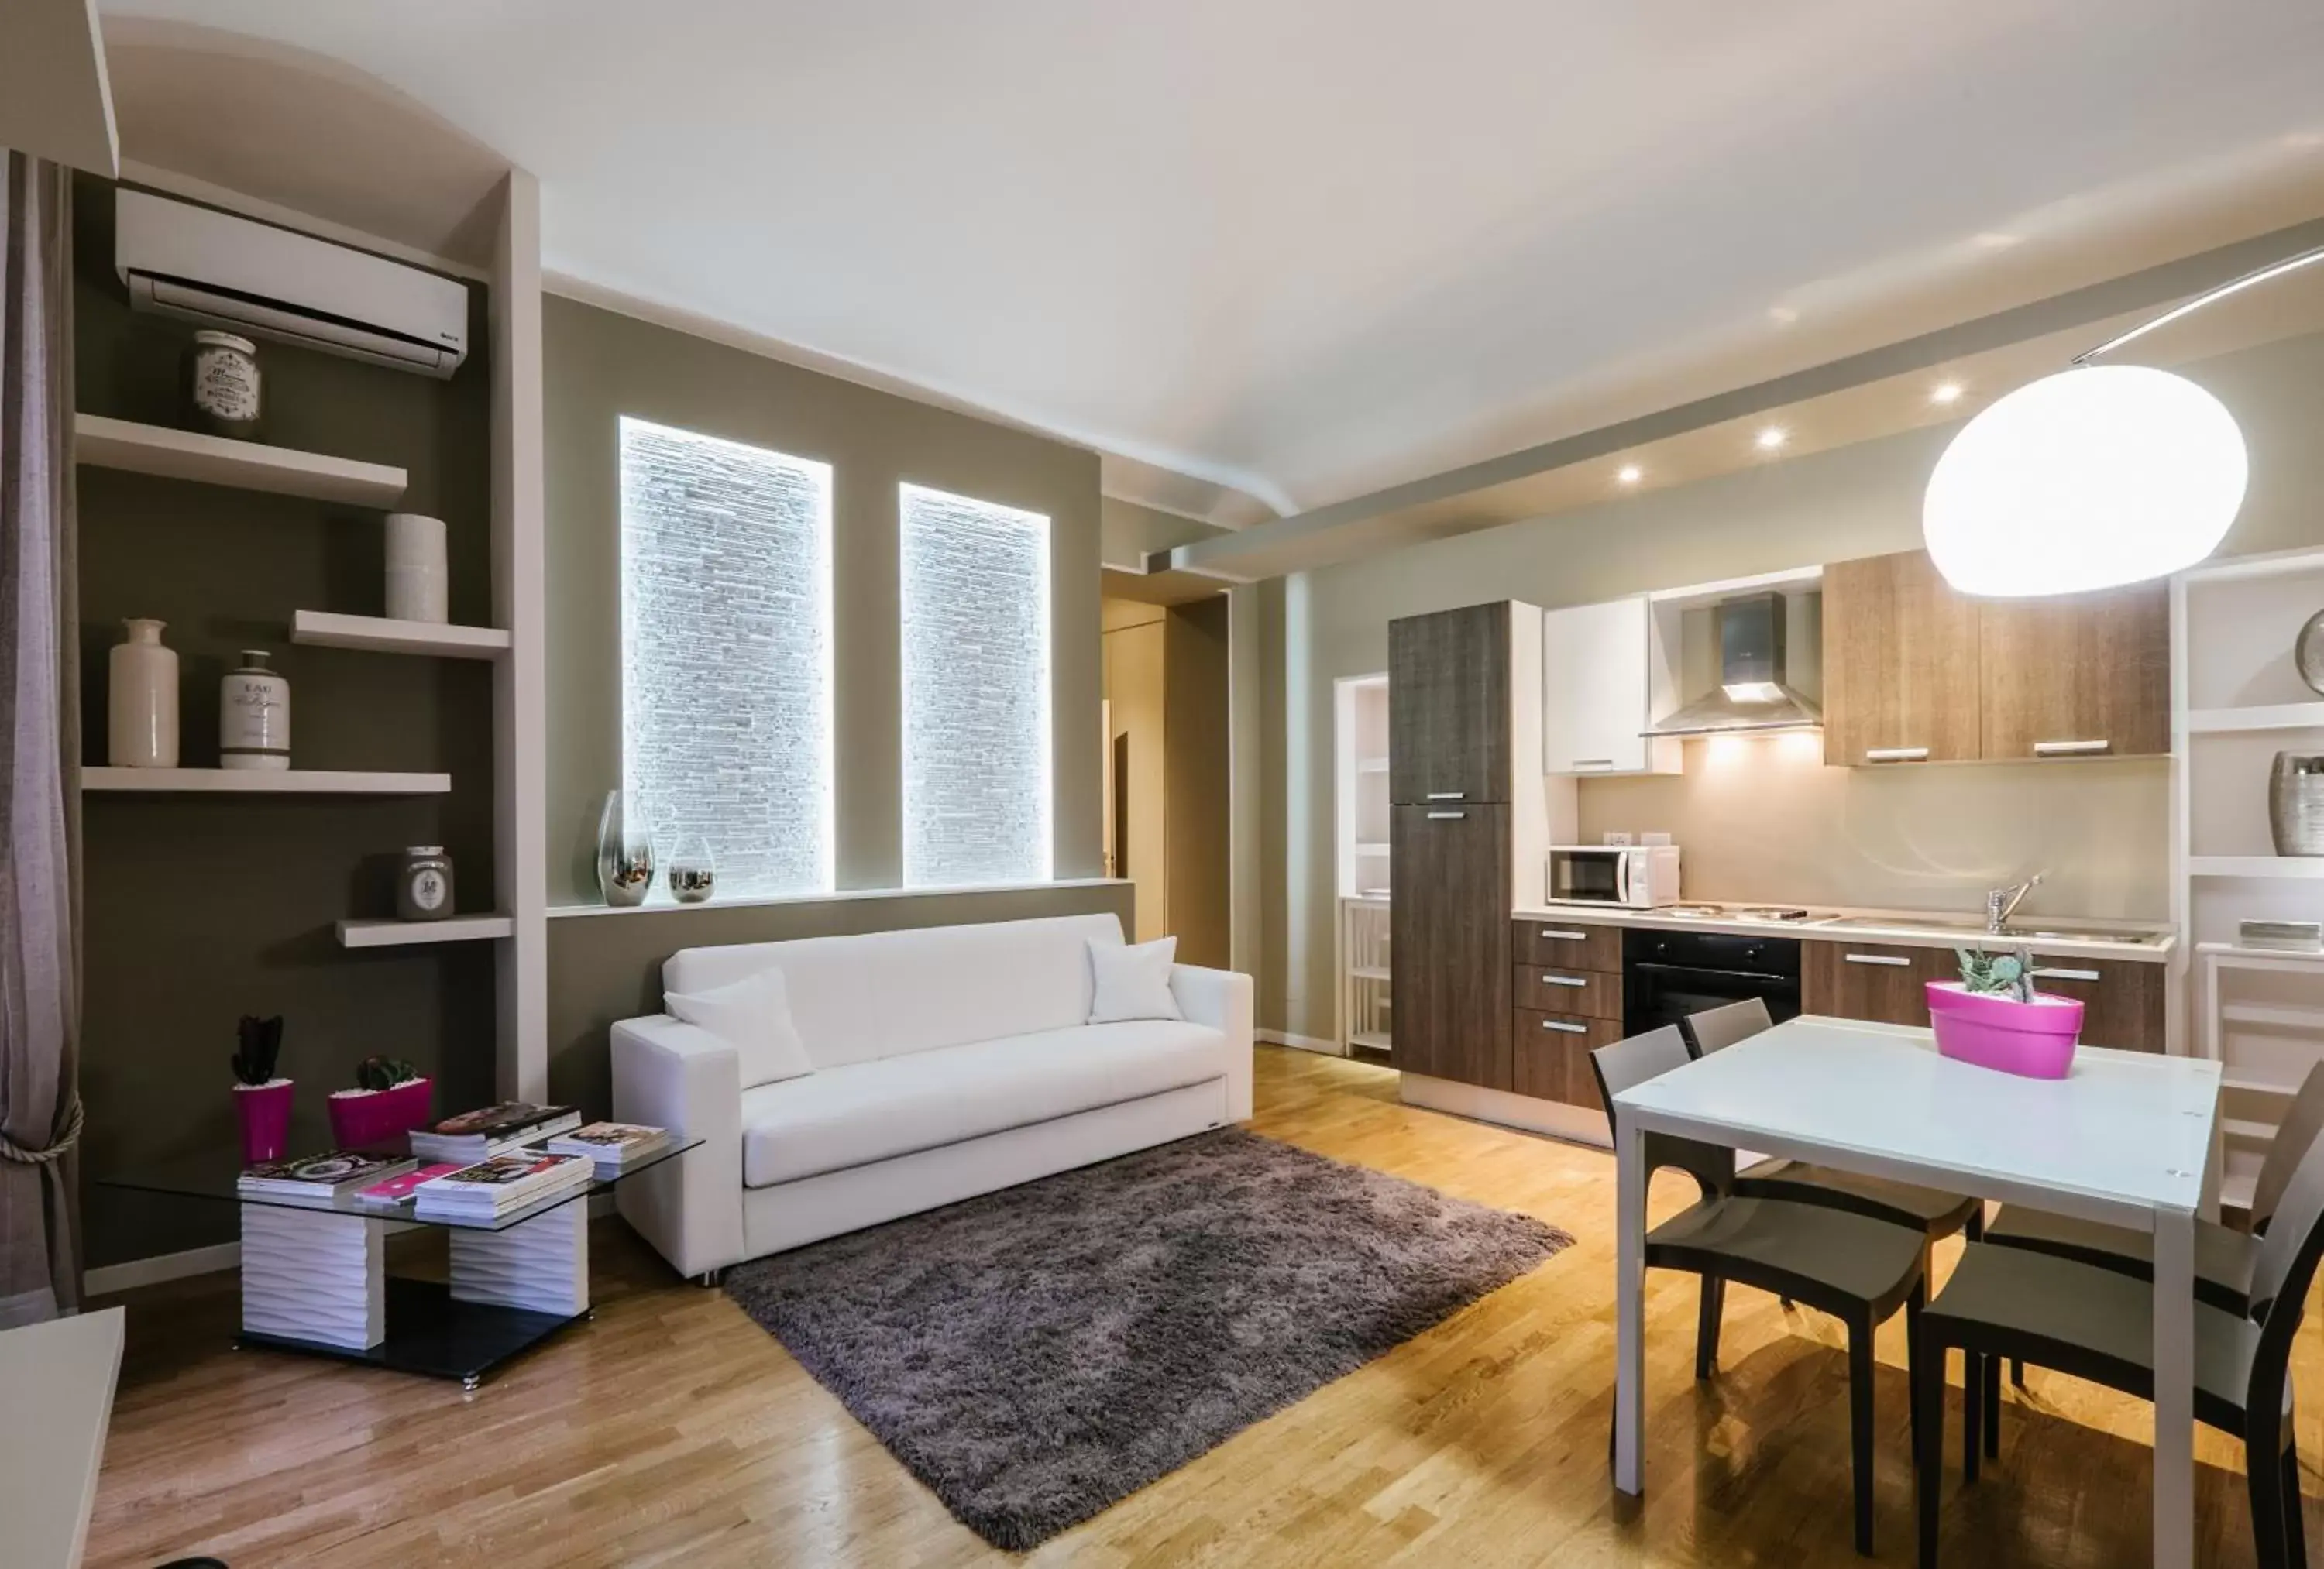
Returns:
point(1901, 652)
point(1449, 955)
point(1449, 712)
point(2085, 675)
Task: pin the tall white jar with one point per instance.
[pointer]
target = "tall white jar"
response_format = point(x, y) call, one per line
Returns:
point(419, 580)
point(141, 729)
point(255, 715)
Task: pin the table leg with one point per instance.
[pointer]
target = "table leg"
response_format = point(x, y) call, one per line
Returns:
point(314, 1276)
point(2174, 1388)
point(542, 1266)
point(1629, 1309)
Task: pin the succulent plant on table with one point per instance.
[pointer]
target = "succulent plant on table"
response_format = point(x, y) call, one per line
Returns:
point(377, 1073)
point(2001, 974)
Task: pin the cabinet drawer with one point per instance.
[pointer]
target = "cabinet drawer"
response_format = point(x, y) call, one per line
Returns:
point(2122, 999)
point(1881, 983)
point(1553, 1055)
point(1570, 945)
point(1588, 994)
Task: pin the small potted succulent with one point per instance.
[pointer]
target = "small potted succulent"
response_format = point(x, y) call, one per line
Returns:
point(1992, 1016)
point(262, 1102)
point(388, 1100)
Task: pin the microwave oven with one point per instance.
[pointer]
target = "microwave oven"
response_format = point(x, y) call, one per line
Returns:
point(1632, 877)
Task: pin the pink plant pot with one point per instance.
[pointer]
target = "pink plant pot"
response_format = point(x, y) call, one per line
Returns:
point(362, 1119)
point(264, 1110)
point(2034, 1040)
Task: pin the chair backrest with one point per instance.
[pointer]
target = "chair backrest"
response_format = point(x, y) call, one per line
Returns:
point(2301, 1123)
point(1634, 1061)
point(1715, 1028)
point(2282, 1275)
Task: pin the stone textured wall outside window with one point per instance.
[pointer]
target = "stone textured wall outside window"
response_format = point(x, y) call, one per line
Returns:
point(726, 655)
point(976, 603)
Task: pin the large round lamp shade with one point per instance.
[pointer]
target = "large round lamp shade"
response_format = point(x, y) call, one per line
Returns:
point(2100, 475)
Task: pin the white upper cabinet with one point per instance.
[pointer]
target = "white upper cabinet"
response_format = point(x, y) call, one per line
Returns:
point(1597, 692)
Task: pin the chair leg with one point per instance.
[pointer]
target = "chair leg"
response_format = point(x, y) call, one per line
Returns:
point(1972, 1411)
point(1993, 1408)
point(1709, 1309)
point(2017, 1371)
point(1928, 1450)
point(2295, 1528)
point(1975, 1229)
point(1912, 1305)
point(2266, 1479)
point(1859, 1425)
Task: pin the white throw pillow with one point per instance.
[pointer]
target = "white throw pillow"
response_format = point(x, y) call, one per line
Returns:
point(753, 1016)
point(1133, 982)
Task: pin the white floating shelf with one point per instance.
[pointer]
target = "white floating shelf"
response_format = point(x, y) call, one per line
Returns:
point(1367, 972)
point(2246, 1129)
point(324, 629)
point(2279, 716)
point(1370, 1040)
point(404, 933)
point(1370, 848)
point(214, 460)
point(2256, 865)
point(264, 782)
point(1371, 765)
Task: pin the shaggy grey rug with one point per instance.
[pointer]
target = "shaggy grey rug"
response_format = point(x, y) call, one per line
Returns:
point(1037, 1353)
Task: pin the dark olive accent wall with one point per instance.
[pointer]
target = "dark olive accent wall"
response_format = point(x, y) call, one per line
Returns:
point(599, 365)
point(200, 910)
point(606, 967)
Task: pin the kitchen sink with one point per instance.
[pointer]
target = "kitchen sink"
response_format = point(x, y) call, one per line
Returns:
point(2077, 934)
point(1901, 923)
point(1968, 926)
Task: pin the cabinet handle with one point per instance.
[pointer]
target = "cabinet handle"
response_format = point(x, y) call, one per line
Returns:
point(2080, 975)
point(2069, 748)
point(1896, 755)
point(1448, 795)
point(1886, 958)
point(1563, 980)
point(1593, 762)
point(1561, 1027)
point(1441, 816)
point(1561, 936)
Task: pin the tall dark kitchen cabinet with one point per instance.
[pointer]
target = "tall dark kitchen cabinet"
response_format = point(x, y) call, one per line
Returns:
point(1469, 807)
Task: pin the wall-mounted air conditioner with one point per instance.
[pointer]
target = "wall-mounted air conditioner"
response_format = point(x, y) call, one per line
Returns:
point(223, 271)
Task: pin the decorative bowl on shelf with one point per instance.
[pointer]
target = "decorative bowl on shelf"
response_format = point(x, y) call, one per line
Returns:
point(361, 1118)
point(2034, 1040)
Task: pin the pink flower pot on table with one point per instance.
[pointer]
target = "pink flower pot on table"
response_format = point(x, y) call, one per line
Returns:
point(362, 1119)
point(264, 1113)
point(2034, 1040)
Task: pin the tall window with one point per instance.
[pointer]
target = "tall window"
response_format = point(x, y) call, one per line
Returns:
point(976, 690)
point(726, 655)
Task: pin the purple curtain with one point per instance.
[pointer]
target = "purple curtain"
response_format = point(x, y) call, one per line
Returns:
point(40, 754)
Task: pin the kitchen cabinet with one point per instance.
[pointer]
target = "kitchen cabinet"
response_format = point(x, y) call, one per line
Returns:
point(1900, 663)
point(1569, 945)
point(1592, 993)
point(2080, 676)
point(2122, 999)
point(1881, 983)
point(1596, 690)
point(1448, 948)
point(1449, 730)
point(1550, 1055)
point(1916, 673)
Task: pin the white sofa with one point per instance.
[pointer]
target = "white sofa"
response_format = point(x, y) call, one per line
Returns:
point(949, 1061)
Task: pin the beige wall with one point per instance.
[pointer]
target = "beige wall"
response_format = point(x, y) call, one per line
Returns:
point(1931, 839)
point(1134, 697)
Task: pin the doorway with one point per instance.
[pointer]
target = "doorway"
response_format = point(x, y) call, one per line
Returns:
point(1167, 760)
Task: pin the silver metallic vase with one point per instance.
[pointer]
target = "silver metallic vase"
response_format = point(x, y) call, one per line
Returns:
point(625, 852)
point(2295, 805)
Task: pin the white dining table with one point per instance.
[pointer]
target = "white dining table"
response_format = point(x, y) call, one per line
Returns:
point(2126, 1137)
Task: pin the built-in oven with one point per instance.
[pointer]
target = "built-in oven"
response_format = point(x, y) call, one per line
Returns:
point(1669, 975)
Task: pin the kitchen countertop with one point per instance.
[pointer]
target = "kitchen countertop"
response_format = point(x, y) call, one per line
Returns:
point(1907, 928)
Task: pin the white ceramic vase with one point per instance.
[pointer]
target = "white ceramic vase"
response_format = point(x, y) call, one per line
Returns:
point(255, 715)
point(142, 700)
point(418, 581)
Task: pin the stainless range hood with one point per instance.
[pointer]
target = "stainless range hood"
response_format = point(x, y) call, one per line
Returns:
point(1754, 691)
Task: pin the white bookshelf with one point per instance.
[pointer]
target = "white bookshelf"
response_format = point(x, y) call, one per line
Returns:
point(249, 465)
point(2237, 701)
point(263, 782)
point(393, 934)
point(328, 629)
point(1361, 853)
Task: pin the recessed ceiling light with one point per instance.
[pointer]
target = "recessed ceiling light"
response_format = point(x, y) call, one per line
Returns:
point(1946, 393)
point(1771, 437)
point(1630, 474)
point(1783, 315)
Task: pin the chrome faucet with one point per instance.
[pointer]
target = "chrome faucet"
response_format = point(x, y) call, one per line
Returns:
point(2001, 904)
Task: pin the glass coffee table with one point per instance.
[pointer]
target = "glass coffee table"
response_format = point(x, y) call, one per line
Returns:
point(315, 1280)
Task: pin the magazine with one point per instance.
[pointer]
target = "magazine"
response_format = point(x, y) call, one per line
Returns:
point(320, 1176)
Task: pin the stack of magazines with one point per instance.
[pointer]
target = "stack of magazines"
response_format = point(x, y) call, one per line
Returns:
point(473, 1135)
point(320, 1178)
point(614, 1146)
point(498, 1184)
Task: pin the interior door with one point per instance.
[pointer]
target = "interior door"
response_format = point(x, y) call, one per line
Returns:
point(1448, 944)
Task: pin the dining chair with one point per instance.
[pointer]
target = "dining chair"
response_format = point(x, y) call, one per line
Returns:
point(2094, 1323)
point(1931, 1211)
point(1858, 1270)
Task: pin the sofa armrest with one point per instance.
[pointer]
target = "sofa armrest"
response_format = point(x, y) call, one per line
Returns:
point(673, 1075)
point(1221, 998)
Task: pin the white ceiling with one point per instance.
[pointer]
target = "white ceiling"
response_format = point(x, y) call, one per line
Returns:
point(1279, 253)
